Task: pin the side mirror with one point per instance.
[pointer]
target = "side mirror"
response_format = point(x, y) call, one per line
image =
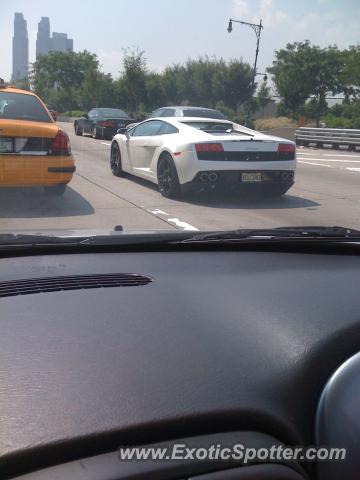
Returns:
point(124, 131)
point(86, 116)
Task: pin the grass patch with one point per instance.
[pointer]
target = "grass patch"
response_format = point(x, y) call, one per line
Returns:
point(275, 122)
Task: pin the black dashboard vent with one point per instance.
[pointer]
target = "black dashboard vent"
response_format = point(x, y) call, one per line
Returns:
point(74, 282)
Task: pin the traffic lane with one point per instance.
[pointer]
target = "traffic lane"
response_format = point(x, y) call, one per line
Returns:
point(86, 204)
point(92, 159)
point(83, 206)
point(318, 197)
point(224, 211)
point(340, 159)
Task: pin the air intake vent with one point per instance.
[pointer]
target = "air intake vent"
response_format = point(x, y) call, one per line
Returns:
point(75, 282)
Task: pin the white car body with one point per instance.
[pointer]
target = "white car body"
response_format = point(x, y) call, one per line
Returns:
point(140, 154)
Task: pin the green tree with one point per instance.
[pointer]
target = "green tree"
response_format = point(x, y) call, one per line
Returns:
point(205, 82)
point(232, 83)
point(350, 72)
point(155, 91)
point(97, 90)
point(134, 79)
point(302, 70)
point(62, 72)
point(263, 97)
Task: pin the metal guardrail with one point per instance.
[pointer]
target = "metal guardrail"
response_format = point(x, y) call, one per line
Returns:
point(333, 137)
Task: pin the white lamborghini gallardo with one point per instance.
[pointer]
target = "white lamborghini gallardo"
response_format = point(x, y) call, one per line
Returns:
point(180, 154)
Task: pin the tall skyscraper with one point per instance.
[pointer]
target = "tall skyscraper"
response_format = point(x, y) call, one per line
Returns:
point(58, 42)
point(43, 41)
point(20, 48)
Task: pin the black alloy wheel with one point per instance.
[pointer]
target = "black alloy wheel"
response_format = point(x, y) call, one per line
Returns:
point(168, 180)
point(115, 161)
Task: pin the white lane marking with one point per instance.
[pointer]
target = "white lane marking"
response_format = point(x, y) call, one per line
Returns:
point(108, 144)
point(176, 221)
point(157, 211)
point(317, 164)
point(331, 160)
point(183, 225)
point(353, 169)
point(326, 154)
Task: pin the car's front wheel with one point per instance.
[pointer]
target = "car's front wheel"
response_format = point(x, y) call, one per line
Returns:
point(57, 190)
point(115, 161)
point(168, 180)
point(78, 130)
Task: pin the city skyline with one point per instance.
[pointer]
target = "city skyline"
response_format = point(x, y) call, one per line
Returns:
point(45, 43)
point(57, 42)
point(168, 34)
point(20, 48)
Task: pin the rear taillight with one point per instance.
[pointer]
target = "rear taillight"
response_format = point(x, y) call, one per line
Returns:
point(60, 144)
point(286, 148)
point(209, 147)
point(106, 124)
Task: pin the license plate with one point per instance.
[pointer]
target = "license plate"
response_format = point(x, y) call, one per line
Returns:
point(6, 145)
point(251, 177)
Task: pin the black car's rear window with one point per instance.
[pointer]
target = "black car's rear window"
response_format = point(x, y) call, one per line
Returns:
point(20, 106)
point(198, 112)
point(112, 113)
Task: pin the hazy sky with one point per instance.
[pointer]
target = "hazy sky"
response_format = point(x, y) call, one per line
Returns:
point(171, 31)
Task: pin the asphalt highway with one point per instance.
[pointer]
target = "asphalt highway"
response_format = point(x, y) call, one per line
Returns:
point(326, 192)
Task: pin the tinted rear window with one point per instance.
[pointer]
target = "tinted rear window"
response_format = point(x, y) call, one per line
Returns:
point(212, 127)
point(19, 106)
point(203, 113)
point(112, 113)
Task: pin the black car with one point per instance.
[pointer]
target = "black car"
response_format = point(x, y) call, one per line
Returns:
point(102, 122)
point(187, 111)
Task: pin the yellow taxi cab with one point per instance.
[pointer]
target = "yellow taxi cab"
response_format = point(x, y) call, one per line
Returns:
point(34, 151)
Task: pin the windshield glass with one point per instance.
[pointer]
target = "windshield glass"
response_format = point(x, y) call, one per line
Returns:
point(257, 107)
point(211, 126)
point(19, 106)
point(113, 113)
point(203, 113)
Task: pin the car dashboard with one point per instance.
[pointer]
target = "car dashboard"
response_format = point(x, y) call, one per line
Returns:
point(100, 350)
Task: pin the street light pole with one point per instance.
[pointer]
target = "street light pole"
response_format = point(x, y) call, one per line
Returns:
point(257, 29)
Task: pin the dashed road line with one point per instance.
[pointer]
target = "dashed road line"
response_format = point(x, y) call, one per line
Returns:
point(353, 169)
point(157, 211)
point(331, 160)
point(108, 190)
point(176, 221)
point(183, 225)
point(316, 164)
point(104, 143)
point(328, 154)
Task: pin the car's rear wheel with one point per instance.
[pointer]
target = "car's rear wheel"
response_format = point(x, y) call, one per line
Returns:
point(78, 130)
point(115, 161)
point(57, 190)
point(168, 180)
point(95, 132)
